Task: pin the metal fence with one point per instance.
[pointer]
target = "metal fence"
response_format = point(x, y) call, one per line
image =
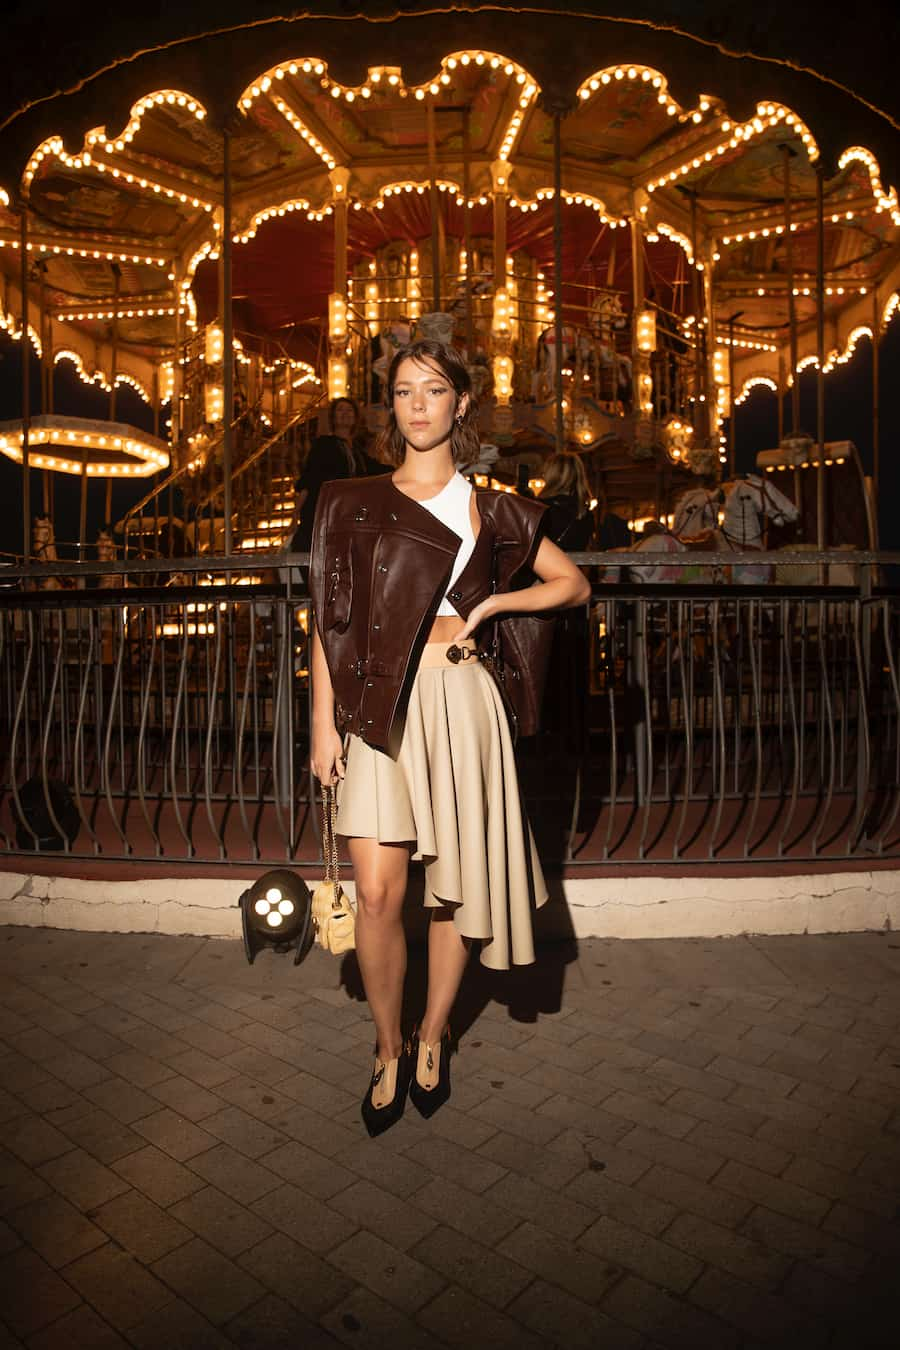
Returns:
point(683, 724)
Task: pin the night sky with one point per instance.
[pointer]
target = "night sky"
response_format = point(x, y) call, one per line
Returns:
point(848, 416)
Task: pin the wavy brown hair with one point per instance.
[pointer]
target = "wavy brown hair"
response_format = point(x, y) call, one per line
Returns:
point(465, 443)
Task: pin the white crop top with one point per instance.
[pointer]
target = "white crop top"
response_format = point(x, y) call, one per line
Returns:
point(452, 507)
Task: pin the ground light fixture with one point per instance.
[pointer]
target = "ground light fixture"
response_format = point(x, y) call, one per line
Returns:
point(276, 913)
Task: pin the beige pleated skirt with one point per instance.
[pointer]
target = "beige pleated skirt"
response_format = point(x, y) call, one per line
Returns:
point(452, 793)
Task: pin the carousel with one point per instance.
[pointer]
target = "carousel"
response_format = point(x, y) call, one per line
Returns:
point(622, 259)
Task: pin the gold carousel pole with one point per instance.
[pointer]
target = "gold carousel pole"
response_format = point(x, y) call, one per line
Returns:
point(557, 276)
point(787, 155)
point(467, 232)
point(47, 477)
point(114, 362)
point(876, 381)
point(436, 218)
point(820, 356)
point(26, 387)
point(225, 293)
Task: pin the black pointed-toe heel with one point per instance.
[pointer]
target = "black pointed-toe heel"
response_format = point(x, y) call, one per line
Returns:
point(377, 1119)
point(428, 1100)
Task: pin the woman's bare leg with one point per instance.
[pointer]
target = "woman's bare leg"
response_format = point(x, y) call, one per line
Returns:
point(380, 872)
point(447, 957)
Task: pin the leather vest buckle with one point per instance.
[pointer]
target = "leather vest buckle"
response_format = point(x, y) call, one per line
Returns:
point(457, 654)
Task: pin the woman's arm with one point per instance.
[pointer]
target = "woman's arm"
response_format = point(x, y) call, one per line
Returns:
point(326, 753)
point(561, 586)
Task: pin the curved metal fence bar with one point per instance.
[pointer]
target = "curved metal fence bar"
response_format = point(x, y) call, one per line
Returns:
point(714, 723)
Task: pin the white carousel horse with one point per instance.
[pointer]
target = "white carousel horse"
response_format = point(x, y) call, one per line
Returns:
point(43, 550)
point(745, 503)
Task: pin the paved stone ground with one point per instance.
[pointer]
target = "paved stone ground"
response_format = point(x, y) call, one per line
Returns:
point(681, 1144)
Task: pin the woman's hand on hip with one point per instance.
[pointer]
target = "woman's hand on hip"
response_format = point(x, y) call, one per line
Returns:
point(326, 755)
point(479, 615)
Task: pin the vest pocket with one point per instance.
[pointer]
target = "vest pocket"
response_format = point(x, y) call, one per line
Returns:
point(339, 587)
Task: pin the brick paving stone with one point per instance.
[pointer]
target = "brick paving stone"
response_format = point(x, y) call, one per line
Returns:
point(642, 1254)
point(273, 1324)
point(243, 1132)
point(304, 1167)
point(520, 1155)
point(782, 1194)
point(687, 1193)
point(121, 1290)
point(186, 1098)
point(561, 1319)
point(140, 1227)
point(34, 1140)
point(364, 1319)
point(234, 1173)
point(813, 1245)
point(606, 1196)
point(178, 1326)
point(756, 1313)
point(562, 1263)
point(229, 1227)
point(449, 1160)
point(562, 1214)
point(828, 1181)
point(823, 1147)
point(94, 1042)
point(842, 1104)
point(141, 1070)
point(200, 1068)
point(668, 1320)
point(77, 1070)
point(737, 1253)
point(678, 1153)
point(369, 1206)
point(512, 1118)
point(315, 1092)
point(787, 1109)
point(9, 1239)
point(728, 1143)
point(258, 1066)
point(31, 1293)
point(458, 1318)
point(81, 1329)
point(101, 1135)
point(300, 1216)
point(56, 1230)
point(178, 1137)
point(19, 1073)
point(206, 1279)
point(18, 1183)
point(461, 1128)
point(454, 1205)
point(160, 1177)
point(81, 1179)
point(691, 1078)
point(10, 1106)
point(766, 1080)
point(387, 1271)
point(43, 1098)
point(296, 1274)
point(121, 1099)
point(461, 1259)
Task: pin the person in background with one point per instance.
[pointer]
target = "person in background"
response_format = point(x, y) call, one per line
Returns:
point(566, 495)
point(340, 454)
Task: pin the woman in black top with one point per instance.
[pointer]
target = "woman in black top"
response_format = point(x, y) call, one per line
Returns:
point(568, 520)
point(337, 455)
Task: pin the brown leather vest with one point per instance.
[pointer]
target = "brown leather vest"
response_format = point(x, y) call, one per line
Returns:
point(379, 566)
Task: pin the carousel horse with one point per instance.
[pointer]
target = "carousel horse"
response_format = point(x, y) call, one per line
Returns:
point(43, 550)
point(107, 552)
point(698, 527)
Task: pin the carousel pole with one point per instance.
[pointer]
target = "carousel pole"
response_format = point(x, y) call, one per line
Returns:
point(779, 399)
point(42, 329)
point(876, 381)
point(435, 211)
point(114, 362)
point(787, 155)
point(225, 294)
point(467, 231)
point(700, 409)
point(820, 356)
point(557, 276)
point(26, 388)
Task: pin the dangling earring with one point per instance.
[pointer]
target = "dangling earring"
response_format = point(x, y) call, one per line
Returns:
point(459, 420)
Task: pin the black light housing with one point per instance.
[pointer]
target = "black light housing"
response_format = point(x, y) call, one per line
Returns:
point(276, 912)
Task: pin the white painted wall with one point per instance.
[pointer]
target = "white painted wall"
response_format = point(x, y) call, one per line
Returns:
point(623, 907)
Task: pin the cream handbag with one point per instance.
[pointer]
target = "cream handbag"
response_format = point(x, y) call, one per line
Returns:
point(334, 919)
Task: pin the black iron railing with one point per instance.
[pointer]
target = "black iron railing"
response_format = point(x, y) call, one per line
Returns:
point(683, 724)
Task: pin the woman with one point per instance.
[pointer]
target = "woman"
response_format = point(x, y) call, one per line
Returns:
point(337, 455)
point(406, 572)
point(566, 495)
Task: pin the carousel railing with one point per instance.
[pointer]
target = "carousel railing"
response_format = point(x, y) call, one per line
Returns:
point(683, 724)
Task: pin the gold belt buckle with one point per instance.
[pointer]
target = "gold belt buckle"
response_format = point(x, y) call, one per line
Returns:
point(456, 654)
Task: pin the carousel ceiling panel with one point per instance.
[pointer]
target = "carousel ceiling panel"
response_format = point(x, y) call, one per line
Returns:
point(621, 121)
point(83, 202)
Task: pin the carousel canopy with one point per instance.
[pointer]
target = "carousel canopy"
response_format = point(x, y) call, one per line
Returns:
point(121, 178)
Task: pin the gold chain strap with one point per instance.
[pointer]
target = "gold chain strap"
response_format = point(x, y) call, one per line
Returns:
point(329, 838)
